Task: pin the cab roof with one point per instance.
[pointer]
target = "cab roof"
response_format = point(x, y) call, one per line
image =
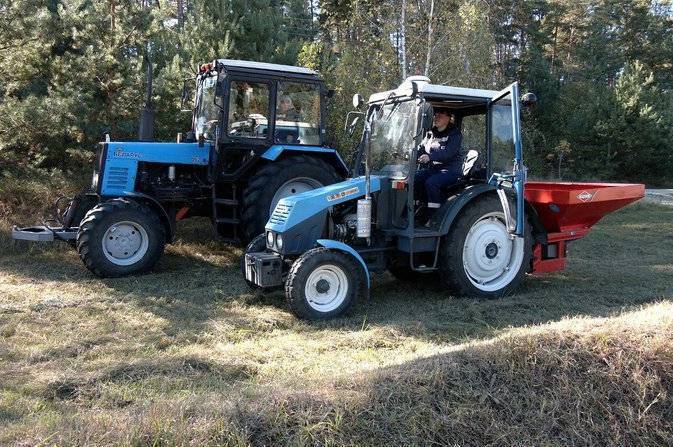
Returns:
point(277, 69)
point(426, 89)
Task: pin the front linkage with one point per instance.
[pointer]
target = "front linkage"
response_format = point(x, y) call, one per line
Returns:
point(62, 225)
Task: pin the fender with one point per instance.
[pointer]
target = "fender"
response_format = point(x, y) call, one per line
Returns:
point(336, 245)
point(457, 203)
point(169, 224)
point(330, 155)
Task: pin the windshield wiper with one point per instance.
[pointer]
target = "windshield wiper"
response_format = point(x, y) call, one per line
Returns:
point(391, 111)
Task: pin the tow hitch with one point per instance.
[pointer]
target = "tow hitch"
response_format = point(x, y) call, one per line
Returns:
point(43, 233)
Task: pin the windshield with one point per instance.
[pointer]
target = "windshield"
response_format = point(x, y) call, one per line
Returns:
point(207, 113)
point(392, 139)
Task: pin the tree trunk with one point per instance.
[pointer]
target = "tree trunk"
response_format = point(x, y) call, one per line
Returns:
point(403, 36)
point(429, 52)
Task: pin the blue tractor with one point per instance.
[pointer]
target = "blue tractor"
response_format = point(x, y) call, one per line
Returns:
point(258, 135)
point(322, 245)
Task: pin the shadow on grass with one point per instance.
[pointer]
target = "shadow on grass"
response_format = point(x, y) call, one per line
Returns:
point(614, 268)
point(187, 368)
point(193, 277)
point(573, 384)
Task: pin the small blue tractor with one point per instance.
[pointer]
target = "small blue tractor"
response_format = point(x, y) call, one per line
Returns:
point(489, 232)
point(258, 135)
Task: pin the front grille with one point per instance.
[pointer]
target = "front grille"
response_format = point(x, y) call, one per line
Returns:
point(116, 178)
point(280, 214)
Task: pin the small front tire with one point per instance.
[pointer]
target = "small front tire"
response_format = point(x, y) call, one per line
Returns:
point(324, 284)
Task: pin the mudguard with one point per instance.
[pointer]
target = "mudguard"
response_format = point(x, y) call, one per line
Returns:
point(336, 245)
point(330, 155)
point(454, 205)
point(169, 223)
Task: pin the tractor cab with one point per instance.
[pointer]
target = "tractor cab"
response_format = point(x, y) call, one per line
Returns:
point(398, 122)
point(258, 119)
point(241, 103)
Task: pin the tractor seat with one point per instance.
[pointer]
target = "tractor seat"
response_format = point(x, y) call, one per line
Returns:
point(472, 166)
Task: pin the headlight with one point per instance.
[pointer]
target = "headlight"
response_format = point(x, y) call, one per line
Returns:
point(279, 241)
point(94, 181)
point(269, 239)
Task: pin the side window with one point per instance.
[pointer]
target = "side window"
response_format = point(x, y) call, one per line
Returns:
point(474, 133)
point(248, 109)
point(297, 113)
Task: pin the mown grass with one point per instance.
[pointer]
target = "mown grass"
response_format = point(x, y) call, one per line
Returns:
point(187, 356)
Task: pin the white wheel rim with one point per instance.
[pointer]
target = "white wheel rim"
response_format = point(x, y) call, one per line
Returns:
point(125, 243)
point(294, 186)
point(491, 256)
point(326, 288)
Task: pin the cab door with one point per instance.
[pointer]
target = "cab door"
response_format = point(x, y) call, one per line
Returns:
point(505, 157)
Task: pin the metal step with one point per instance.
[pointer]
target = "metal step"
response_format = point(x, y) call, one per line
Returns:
point(225, 211)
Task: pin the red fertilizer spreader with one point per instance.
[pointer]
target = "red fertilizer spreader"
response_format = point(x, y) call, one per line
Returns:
point(569, 210)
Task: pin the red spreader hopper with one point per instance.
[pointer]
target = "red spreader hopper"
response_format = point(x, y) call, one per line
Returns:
point(569, 210)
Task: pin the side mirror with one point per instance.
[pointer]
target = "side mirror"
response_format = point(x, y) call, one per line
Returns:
point(352, 126)
point(427, 118)
point(358, 100)
point(186, 95)
point(528, 99)
point(220, 90)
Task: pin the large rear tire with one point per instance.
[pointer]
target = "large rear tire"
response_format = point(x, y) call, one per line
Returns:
point(291, 175)
point(477, 256)
point(120, 237)
point(324, 284)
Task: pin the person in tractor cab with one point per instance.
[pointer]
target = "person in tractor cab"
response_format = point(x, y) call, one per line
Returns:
point(440, 160)
point(286, 110)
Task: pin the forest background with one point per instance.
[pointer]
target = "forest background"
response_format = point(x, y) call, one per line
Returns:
point(72, 71)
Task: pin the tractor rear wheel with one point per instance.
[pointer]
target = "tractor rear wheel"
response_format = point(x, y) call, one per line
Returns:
point(324, 284)
point(120, 237)
point(478, 257)
point(291, 175)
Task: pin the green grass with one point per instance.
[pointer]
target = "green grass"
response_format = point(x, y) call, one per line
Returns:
point(187, 355)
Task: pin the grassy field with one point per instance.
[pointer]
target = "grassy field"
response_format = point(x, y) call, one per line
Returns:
point(187, 356)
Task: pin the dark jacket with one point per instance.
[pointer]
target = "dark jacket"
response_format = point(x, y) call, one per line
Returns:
point(444, 147)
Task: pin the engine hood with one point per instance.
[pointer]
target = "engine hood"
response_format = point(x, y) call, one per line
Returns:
point(294, 210)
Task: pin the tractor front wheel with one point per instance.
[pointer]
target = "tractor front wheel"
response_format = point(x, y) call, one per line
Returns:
point(291, 175)
point(324, 284)
point(120, 237)
point(479, 257)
